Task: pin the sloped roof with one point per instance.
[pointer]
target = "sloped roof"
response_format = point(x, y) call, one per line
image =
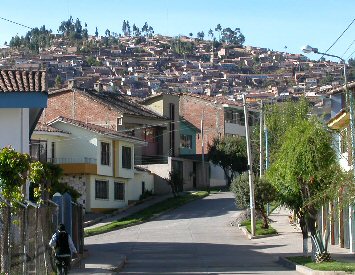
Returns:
point(23, 81)
point(117, 101)
point(42, 127)
point(94, 128)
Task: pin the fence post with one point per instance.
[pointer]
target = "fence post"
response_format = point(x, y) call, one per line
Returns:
point(4, 240)
point(67, 210)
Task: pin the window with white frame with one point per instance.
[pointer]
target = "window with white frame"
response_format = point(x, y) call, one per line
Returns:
point(105, 153)
point(126, 157)
point(101, 189)
point(119, 191)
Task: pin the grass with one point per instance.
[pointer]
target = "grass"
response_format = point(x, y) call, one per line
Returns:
point(258, 230)
point(147, 213)
point(325, 266)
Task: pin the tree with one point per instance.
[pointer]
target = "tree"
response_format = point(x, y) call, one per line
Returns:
point(108, 33)
point(175, 181)
point(191, 34)
point(200, 35)
point(264, 193)
point(96, 32)
point(124, 28)
point(145, 29)
point(58, 80)
point(230, 153)
point(305, 167)
point(210, 33)
point(218, 29)
point(235, 37)
point(281, 116)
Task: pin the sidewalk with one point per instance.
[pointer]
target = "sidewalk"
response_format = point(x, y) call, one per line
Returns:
point(288, 242)
point(102, 264)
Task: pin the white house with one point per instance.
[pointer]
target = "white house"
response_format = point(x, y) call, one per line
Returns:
point(23, 95)
point(97, 161)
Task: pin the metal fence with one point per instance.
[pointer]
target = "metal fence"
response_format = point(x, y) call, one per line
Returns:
point(24, 235)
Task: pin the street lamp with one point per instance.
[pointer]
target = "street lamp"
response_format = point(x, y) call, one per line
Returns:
point(350, 103)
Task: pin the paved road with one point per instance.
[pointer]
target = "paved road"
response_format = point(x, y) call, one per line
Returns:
point(194, 239)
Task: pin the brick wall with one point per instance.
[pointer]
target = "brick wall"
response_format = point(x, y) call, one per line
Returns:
point(191, 109)
point(77, 106)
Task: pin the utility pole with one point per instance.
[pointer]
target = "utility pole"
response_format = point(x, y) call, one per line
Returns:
point(261, 153)
point(250, 166)
point(203, 147)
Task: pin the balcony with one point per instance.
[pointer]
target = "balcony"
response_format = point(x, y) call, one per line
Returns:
point(76, 165)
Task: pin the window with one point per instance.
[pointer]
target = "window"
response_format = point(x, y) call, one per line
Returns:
point(38, 150)
point(53, 152)
point(105, 153)
point(186, 141)
point(101, 189)
point(126, 157)
point(119, 191)
point(143, 187)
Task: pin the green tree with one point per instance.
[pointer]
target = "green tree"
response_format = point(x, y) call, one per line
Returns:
point(218, 29)
point(58, 80)
point(175, 181)
point(210, 34)
point(230, 153)
point(305, 167)
point(96, 32)
point(235, 37)
point(280, 116)
point(108, 33)
point(200, 35)
point(264, 193)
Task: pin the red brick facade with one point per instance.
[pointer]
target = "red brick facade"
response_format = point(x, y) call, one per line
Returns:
point(77, 106)
point(192, 107)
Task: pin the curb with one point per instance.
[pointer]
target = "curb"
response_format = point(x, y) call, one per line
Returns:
point(114, 213)
point(250, 237)
point(305, 270)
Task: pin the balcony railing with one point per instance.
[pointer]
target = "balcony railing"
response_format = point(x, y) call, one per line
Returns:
point(72, 160)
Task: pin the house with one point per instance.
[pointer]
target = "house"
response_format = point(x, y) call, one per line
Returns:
point(96, 161)
point(215, 117)
point(116, 112)
point(341, 226)
point(23, 95)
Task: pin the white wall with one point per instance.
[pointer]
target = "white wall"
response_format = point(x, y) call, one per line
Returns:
point(81, 144)
point(134, 186)
point(14, 129)
point(106, 170)
point(109, 203)
point(123, 172)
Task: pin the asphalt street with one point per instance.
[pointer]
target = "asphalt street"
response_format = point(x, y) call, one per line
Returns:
point(194, 239)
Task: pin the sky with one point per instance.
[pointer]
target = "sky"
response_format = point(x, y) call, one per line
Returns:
point(280, 25)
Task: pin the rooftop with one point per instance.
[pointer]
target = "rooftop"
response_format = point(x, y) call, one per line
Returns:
point(23, 81)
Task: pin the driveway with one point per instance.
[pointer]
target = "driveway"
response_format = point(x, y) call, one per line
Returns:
point(194, 239)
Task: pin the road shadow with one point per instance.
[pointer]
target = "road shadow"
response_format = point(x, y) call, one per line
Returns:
point(189, 258)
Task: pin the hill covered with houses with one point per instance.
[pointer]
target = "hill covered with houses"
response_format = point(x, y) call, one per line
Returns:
point(139, 63)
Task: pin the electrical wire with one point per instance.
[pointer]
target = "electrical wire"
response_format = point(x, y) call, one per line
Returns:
point(348, 48)
point(337, 39)
point(22, 25)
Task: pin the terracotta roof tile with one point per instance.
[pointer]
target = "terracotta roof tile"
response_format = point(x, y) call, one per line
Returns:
point(23, 81)
point(42, 127)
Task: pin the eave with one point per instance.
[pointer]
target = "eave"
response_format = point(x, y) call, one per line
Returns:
point(340, 121)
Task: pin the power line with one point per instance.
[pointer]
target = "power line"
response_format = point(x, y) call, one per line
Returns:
point(348, 48)
point(337, 39)
point(16, 23)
